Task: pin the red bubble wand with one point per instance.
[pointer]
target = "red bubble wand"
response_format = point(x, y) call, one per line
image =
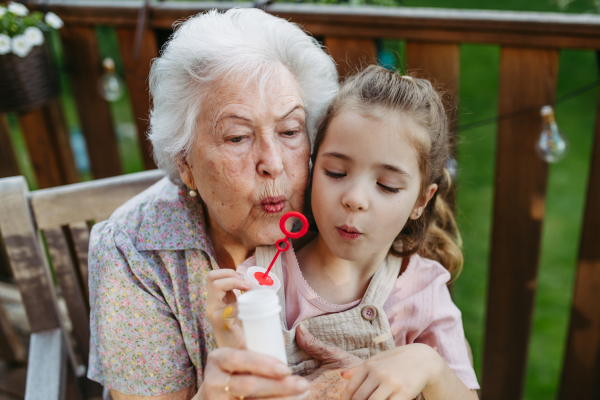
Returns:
point(265, 279)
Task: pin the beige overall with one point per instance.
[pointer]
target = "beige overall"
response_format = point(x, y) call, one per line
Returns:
point(363, 330)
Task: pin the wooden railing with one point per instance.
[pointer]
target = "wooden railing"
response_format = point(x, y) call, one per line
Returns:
point(530, 44)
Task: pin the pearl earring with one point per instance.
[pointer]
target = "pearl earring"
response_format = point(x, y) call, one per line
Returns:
point(193, 193)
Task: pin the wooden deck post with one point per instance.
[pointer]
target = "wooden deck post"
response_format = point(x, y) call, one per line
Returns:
point(527, 81)
point(136, 75)
point(581, 368)
point(84, 64)
point(351, 55)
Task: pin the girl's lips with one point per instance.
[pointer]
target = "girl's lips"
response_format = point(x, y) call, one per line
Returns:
point(273, 205)
point(348, 233)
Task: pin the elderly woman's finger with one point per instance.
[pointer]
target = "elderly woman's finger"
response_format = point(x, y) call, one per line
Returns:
point(225, 316)
point(216, 274)
point(228, 284)
point(240, 361)
point(253, 386)
point(316, 348)
point(349, 373)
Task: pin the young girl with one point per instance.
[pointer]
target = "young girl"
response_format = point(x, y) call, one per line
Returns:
point(372, 281)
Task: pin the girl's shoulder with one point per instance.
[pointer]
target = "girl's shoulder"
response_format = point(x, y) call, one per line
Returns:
point(422, 276)
point(425, 269)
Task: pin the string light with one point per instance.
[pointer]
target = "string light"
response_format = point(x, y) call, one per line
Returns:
point(514, 114)
point(110, 85)
point(552, 145)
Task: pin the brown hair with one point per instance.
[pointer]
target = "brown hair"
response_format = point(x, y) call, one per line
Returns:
point(435, 234)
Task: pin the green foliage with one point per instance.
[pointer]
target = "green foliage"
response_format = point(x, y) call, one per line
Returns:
point(13, 25)
point(564, 4)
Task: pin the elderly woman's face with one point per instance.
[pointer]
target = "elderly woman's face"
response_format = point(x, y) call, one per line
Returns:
point(250, 160)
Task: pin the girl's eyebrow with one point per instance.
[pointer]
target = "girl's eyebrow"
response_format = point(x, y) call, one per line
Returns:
point(393, 169)
point(334, 154)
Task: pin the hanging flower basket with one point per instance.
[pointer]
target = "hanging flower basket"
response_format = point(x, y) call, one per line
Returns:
point(27, 76)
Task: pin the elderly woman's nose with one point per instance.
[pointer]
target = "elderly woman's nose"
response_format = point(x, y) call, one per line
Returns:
point(270, 160)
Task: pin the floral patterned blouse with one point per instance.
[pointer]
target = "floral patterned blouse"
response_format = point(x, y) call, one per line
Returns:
point(148, 267)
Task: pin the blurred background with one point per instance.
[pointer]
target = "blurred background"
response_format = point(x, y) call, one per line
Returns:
point(478, 88)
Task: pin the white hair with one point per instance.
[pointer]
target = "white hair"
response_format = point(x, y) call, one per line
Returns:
point(209, 46)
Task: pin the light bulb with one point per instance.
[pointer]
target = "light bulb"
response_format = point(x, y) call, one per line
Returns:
point(552, 145)
point(110, 85)
point(452, 167)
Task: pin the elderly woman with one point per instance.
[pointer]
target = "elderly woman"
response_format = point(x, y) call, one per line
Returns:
point(237, 97)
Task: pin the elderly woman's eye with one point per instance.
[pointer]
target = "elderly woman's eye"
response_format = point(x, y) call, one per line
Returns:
point(236, 139)
point(290, 133)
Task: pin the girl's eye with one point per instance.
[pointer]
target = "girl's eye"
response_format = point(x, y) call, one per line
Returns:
point(388, 189)
point(334, 175)
point(236, 139)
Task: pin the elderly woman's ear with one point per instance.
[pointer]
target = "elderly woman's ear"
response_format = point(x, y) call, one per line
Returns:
point(185, 171)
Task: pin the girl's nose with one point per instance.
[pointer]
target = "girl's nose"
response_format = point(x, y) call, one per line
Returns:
point(270, 163)
point(355, 200)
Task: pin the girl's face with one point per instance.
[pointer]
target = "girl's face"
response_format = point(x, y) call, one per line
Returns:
point(366, 183)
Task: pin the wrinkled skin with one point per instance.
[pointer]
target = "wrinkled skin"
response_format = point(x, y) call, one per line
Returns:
point(252, 147)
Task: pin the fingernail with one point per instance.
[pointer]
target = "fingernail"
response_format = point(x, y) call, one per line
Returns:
point(302, 384)
point(282, 370)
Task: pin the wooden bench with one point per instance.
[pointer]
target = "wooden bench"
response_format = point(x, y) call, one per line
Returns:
point(59, 218)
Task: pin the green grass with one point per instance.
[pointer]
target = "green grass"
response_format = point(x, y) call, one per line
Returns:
point(478, 100)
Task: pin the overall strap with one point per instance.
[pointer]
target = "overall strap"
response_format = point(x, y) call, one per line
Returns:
point(383, 281)
point(264, 256)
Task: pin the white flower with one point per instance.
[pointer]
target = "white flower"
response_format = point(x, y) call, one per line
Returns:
point(2, 11)
point(20, 45)
point(18, 9)
point(4, 44)
point(34, 36)
point(54, 20)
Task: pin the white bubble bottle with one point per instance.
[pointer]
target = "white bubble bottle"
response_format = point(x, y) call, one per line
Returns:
point(259, 312)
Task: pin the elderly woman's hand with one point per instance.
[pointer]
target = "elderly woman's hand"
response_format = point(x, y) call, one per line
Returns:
point(231, 374)
point(221, 307)
point(327, 381)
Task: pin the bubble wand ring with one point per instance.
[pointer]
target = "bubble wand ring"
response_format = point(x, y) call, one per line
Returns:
point(285, 241)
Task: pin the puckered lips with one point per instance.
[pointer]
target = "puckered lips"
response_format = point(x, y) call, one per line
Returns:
point(273, 205)
point(349, 233)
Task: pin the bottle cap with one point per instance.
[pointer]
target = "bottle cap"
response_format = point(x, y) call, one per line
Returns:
point(254, 275)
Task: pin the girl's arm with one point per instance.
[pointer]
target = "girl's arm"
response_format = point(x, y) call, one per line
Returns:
point(403, 373)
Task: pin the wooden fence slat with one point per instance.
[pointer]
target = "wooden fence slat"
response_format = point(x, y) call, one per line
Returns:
point(527, 80)
point(38, 136)
point(70, 288)
point(439, 63)
point(8, 161)
point(62, 146)
point(136, 75)
point(85, 69)
point(351, 55)
point(581, 368)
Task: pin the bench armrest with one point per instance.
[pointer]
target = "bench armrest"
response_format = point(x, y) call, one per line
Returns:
point(47, 366)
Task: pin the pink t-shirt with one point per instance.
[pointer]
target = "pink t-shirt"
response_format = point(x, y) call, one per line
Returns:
point(419, 309)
